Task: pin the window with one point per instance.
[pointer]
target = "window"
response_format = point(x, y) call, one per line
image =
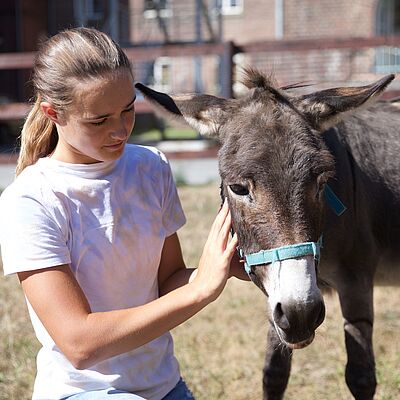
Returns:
point(387, 59)
point(154, 8)
point(162, 74)
point(239, 61)
point(231, 7)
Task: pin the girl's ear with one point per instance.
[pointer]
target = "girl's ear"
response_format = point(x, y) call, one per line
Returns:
point(49, 111)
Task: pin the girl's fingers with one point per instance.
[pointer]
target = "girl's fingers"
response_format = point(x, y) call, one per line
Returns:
point(222, 213)
point(228, 220)
point(225, 230)
point(231, 247)
point(233, 243)
point(219, 233)
point(218, 221)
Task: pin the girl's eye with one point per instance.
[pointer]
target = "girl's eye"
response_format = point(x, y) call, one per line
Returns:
point(98, 123)
point(129, 109)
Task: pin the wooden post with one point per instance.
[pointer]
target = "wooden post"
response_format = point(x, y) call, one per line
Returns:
point(226, 70)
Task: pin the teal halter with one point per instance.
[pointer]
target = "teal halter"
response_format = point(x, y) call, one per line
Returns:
point(294, 250)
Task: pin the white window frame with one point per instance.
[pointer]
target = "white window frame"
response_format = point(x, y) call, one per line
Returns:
point(159, 64)
point(387, 58)
point(164, 12)
point(239, 61)
point(227, 8)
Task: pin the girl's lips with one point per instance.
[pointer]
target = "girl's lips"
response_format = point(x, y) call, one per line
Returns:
point(115, 146)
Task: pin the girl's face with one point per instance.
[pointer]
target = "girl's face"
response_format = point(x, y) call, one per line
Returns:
point(98, 124)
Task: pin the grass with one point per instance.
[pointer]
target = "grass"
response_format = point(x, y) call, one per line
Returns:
point(221, 349)
point(170, 133)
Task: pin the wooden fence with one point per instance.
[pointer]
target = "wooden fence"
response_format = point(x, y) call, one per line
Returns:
point(225, 53)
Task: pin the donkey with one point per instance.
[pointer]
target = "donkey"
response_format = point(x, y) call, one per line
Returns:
point(289, 166)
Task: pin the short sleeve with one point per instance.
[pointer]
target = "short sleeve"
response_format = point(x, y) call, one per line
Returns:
point(30, 237)
point(173, 216)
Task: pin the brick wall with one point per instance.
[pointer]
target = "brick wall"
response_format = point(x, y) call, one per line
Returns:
point(257, 22)
point(302, 19)
point(319, 19)
point(324, 18)
point(180, 25)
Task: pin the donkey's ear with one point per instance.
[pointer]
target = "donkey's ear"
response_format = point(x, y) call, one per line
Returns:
point(202, 112)
point(326, 108)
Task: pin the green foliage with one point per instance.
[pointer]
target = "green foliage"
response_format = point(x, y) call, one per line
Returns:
point(169, 133)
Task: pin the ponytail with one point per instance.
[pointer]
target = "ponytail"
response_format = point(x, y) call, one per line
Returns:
point(38, 137)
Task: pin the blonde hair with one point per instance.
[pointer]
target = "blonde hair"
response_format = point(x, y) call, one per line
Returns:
point(61, 63)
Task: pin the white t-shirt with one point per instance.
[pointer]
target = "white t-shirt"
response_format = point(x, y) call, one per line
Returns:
point(108, 221)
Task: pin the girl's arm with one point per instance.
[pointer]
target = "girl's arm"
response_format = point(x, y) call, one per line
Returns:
point(87, 337)
point(173, 272)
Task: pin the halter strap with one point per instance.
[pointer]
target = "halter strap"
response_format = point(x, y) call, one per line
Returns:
point(294, 250)
point(333, 201)
point(283, 253)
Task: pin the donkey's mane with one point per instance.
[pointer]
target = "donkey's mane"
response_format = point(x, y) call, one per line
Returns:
point(254, 78)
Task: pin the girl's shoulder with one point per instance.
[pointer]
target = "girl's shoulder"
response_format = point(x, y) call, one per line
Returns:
point(145, 158)
point(31, 185)
point(142, 153)
point(27, 181)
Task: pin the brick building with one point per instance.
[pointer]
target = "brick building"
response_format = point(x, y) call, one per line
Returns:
point(248, 21)
point(151, 23)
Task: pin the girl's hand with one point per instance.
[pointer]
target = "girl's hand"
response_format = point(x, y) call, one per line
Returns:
point(237, 268)
point(213, 270)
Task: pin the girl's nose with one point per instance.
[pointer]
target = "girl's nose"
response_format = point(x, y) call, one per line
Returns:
point(120, 131)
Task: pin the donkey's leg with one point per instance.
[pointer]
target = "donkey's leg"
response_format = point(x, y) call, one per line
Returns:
point(356, 299)
point(277, 367)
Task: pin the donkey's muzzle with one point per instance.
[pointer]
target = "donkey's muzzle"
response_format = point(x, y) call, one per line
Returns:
point(296, 323)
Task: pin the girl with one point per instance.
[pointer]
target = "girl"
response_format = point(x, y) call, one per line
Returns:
point(89, 226)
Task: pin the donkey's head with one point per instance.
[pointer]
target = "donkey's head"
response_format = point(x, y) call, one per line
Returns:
point(274, 166)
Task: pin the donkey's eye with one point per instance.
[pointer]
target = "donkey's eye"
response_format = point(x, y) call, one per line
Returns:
point(240, 190)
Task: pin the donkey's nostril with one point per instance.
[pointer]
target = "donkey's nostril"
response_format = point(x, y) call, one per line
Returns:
point(280, 318)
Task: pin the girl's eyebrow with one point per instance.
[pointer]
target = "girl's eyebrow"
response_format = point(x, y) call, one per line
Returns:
point(108, 115)
point(131, 103)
